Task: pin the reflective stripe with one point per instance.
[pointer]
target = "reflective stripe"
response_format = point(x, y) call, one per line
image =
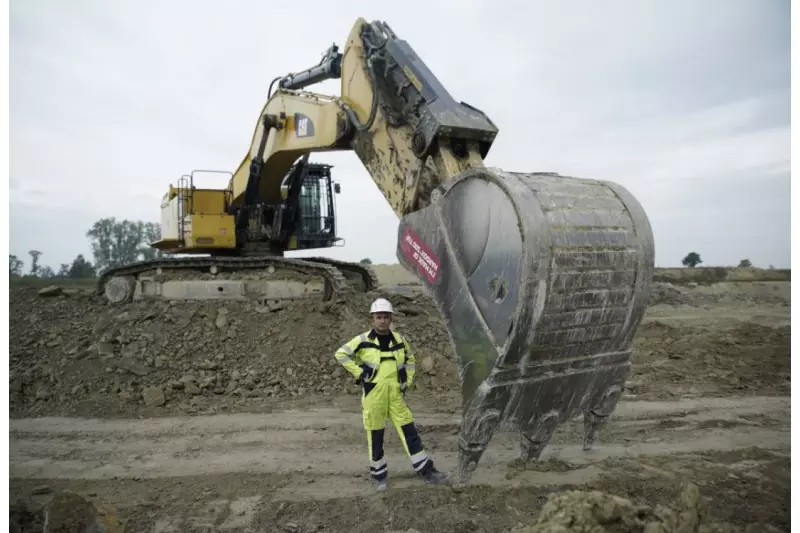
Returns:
point(377, 468)
point(343, 359)
point(411, 366)
point(418, 460)
point(347, 349)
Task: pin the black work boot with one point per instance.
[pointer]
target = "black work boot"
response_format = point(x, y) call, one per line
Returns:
point(434, 477)
point(380, 484)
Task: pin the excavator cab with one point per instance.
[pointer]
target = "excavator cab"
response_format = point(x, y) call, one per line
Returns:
point(311, 212)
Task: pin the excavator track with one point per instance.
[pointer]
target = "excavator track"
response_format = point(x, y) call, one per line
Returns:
point(203, 278)
point(542, 281)
point(361, 277)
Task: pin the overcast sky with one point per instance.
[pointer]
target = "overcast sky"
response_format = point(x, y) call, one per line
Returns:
point(685, 103)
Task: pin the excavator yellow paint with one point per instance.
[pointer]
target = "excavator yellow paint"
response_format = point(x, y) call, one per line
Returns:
point(210, 231)
point(206, 223)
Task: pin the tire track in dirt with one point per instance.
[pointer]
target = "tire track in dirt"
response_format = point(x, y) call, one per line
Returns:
point(329, 447)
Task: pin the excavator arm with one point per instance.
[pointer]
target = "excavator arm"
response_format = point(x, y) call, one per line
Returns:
point(407, 130)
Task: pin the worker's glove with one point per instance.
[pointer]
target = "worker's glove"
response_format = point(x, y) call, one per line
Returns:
point(403, 389)
point(366, 373)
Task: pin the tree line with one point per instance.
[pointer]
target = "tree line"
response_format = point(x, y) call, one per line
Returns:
point(118, 242)
point(693, 259)
point(113, 243)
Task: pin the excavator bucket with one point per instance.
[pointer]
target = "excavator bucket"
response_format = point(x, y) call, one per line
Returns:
point(542, 281)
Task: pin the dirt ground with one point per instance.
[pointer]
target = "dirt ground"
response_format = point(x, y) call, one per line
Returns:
point(236, 442)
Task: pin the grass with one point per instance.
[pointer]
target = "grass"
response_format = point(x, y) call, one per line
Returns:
point(706, 275)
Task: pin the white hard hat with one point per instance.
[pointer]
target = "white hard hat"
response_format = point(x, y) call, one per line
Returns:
point(381, 305)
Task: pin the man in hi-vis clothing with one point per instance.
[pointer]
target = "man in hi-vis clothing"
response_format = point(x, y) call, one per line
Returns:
point(382, 361)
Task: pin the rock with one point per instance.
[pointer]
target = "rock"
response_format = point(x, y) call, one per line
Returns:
point(132, 366)
point(427, 364)
point(51, 290)
point(191, 388)
point(68, 512)
point(105, 349)
point(153, 396)
point(42, 392)
point(41, 489)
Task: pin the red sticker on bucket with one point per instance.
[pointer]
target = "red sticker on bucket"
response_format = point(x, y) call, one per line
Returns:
point(417, 252)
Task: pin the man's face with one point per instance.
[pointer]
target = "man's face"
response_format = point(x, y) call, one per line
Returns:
point(381, 322)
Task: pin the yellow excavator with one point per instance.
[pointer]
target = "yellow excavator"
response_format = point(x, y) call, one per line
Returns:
point(542, 279)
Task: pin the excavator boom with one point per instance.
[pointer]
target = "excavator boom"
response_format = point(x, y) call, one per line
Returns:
point(542, 279)
point(393, 112)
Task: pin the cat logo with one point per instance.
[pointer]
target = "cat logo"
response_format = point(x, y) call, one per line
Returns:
point(303, 126)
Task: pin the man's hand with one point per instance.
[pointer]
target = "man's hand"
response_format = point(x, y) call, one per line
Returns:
point(366, 374)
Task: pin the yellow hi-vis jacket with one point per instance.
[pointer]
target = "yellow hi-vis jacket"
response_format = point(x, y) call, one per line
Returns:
point(363, 352)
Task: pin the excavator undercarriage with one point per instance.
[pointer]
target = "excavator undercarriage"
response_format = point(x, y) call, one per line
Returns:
point(542, 279)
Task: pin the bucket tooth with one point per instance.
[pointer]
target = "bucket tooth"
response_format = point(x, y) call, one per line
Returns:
point(535, 436)
point(542, 281)
point(595, 417)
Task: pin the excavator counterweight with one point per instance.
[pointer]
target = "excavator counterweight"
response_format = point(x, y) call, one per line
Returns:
point(542, 279)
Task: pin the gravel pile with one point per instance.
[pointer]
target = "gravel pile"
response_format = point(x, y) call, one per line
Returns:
point(73, 354)
point(71, 347)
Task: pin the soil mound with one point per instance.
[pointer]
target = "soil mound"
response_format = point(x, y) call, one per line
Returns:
point(671, 359)
point(73, 347)
point(73, 354)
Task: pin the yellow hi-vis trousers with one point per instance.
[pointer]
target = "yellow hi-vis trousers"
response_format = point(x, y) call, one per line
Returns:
point(381, 400)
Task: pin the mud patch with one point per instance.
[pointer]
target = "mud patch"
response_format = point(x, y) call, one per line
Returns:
point(671, 424)
point(744, 486)
point(722, 424)
point(184, 504)
point(25, 518)
point(551, 464)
